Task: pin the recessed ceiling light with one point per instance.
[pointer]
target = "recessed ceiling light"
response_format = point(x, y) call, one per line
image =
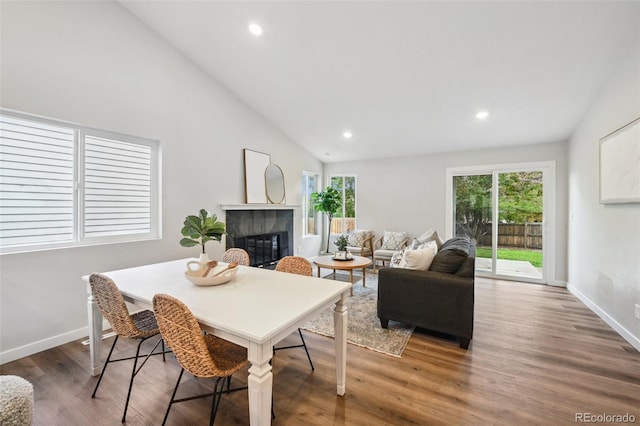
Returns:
point(347, 135)
point(481, 115)
point(255, 29)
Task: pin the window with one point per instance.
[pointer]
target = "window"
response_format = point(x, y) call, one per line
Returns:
point(65, 185)
point(308, 212)
point(345, 219)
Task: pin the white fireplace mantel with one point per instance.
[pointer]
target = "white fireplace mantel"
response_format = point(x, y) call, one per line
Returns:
point(259, 206)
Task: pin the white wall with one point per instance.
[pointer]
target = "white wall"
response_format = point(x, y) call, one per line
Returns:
point(408, 193)
point(94, 64)
point(604, 240)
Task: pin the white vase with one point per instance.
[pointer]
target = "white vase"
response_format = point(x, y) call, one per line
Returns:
point(203, 259)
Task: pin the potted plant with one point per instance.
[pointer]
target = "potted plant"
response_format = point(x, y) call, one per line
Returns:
point(329, 202)
point(198, 230)
point(341, 243)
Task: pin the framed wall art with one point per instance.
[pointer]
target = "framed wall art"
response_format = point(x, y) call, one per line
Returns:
point(620, 165)
point(255, 164)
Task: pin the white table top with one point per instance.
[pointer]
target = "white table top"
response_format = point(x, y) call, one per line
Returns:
point(257, 305)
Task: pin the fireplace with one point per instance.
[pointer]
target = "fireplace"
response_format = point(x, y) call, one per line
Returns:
point(265, 250)
point(266, 234)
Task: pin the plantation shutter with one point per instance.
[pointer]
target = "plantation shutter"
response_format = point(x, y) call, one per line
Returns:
point(117, 187)
point(36, 182)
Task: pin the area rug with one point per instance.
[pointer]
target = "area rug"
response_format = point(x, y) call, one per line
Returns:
point(363, 325)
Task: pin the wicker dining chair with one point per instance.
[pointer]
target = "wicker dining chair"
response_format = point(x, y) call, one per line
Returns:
point(236, 255)
point(203, 355)
point(301, 266)
point(140, 325)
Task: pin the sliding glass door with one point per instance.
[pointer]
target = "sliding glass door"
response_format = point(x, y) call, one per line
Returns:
point(504, 209)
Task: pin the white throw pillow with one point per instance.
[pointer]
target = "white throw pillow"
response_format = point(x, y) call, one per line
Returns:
point(392, 240)
point(419, 259)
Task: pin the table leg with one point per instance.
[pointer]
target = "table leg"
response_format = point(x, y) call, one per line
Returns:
point(95, 334)
point(319, 272)
point(340, 327)
point(351, 279)
point(364, 277)
point(260, 383)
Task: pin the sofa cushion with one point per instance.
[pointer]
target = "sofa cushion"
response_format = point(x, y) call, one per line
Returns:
point(392, 240)
point(467, 269)
point(360, 251)
point(451, 255)
point(384, 254)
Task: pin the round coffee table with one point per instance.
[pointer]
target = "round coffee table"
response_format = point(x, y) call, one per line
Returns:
point(358, 262)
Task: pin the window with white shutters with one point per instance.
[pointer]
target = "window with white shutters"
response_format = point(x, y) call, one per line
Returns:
point(64, 185)
point(117, 187)
point(36, 182)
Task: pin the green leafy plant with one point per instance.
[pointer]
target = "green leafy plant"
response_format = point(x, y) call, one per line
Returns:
point(198, 230)
point(342, 242)
point(329, 202)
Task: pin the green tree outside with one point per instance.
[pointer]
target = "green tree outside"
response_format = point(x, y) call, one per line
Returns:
point(520, 197)
point(473, 204)
point(349, 202)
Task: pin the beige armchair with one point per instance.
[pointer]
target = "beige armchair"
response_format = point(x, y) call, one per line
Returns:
point(385, 246)
point(360, 242)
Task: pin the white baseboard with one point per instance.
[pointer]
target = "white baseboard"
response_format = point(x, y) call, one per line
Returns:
point(44, 344)
point(557, 283)
point(626, 334)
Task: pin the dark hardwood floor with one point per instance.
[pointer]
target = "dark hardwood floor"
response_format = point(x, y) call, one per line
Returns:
point(538, 356)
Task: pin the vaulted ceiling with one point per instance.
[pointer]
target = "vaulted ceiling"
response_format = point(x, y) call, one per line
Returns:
point(406, 77)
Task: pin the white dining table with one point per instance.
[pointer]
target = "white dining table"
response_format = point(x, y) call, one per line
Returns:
point(256, 310)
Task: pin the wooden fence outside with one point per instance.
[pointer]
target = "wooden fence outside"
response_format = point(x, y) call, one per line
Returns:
point(336, 224)
point(517, 235)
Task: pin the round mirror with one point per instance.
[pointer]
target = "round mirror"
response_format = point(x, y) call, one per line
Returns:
point(274, 184)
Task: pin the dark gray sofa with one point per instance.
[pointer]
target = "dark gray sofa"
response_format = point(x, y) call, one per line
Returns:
point(440, 299)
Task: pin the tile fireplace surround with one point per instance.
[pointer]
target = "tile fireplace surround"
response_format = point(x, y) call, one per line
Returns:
point(246, 220)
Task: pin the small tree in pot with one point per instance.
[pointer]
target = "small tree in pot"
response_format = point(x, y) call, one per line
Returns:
point(342, 242)
point(329, 202)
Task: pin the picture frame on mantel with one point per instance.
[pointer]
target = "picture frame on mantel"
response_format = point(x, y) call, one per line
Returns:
point(255, 164)
point(620, 165)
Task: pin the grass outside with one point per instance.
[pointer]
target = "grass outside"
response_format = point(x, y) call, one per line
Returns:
point(533, 257)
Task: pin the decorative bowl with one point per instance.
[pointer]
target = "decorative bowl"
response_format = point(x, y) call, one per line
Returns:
point(196, 278)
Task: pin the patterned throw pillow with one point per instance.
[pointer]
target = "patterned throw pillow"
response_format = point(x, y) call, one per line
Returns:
point(396, 259)
point(356, 237)
point(392, 240)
